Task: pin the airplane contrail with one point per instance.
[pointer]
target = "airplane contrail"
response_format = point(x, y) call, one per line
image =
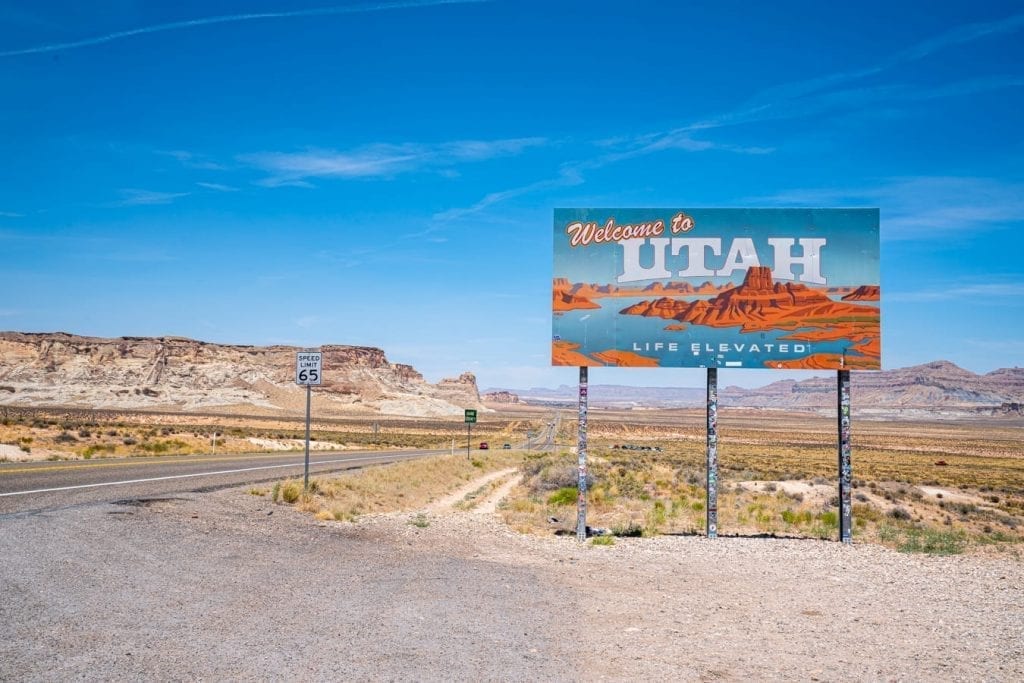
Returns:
point(226, 19)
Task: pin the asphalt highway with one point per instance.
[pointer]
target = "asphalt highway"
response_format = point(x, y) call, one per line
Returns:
point(27, 488)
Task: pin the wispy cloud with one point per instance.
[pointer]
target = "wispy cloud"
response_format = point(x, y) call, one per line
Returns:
point(218, 187)
point(379, 160)
point(993, 293)
point(850, 100)
point(922, 207)
point(8, 312)
point(650, 143)
point(11, 214)
point(134, 197)
point(826, 94)
point(307, 322)
point(572, 173)
point(229, 19)
point(568, 175)
point(1015, 346)
point(809, 95)
point(343, 259)
point(193, 160)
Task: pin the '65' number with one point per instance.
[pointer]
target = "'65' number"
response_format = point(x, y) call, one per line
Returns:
point(311, 376)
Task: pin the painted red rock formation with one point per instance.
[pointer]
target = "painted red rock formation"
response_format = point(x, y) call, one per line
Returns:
point(758, 304)
point(864, 293)
point(563, 298)
point(590, 290)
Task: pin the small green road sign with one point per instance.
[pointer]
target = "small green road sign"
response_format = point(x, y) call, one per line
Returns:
point(470, 416)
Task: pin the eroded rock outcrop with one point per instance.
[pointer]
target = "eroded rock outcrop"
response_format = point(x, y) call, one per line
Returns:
point(501, 397)
point(185, 374)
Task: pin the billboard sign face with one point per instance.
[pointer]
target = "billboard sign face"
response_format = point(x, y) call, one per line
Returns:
point(744, 288)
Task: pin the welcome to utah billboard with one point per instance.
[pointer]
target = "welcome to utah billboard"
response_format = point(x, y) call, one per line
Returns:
point(751, 288)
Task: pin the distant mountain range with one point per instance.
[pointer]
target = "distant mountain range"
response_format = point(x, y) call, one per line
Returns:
point(939, 385)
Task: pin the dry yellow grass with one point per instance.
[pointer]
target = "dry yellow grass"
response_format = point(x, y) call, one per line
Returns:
point(900, 473)
point(398, 487)
point(39, 433)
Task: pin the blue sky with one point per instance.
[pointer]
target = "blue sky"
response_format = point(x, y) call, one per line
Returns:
point(384, 173)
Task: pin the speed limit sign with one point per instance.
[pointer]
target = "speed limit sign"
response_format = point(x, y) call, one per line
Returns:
point(308, 366)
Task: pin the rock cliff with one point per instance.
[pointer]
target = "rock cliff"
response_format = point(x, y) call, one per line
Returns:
point(501, 397)
point(183, 374)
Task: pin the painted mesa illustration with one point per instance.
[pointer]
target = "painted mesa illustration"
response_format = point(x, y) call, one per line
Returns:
point(761, 288)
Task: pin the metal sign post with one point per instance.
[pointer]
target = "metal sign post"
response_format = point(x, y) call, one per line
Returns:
point(712, 454)
point(581, 461)
point(308, 371)
point(845, 471)
point(305, 471)
point(470, 419)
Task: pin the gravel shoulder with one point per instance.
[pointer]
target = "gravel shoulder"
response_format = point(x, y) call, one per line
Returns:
point(228, 585)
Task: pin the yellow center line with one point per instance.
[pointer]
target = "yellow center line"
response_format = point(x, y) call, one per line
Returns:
point(143, 460)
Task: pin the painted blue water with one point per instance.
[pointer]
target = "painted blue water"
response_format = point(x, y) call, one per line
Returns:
point(597, 330)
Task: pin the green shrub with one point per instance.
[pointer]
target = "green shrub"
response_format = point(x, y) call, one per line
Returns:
point(933, 542)
point(97, 448)
point(567, 495)
point(602, 540)
point(275, 493)
point(630, 530)
point(656, 517)
point(909, 539)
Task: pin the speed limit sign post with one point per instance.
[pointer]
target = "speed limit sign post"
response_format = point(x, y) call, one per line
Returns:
point(308, 371)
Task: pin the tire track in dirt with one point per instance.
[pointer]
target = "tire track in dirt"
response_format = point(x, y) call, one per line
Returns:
point(449, 502)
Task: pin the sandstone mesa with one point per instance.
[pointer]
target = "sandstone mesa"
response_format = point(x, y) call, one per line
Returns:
point(175, 373)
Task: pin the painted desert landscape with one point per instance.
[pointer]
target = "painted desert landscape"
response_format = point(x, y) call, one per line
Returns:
point(835, 319)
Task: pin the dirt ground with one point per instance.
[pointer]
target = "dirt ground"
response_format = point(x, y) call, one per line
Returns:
point(229, 585)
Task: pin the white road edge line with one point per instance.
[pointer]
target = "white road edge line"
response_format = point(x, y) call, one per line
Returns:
point(197, 474)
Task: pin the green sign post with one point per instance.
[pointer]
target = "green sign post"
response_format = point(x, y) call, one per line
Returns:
point(470, 419)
